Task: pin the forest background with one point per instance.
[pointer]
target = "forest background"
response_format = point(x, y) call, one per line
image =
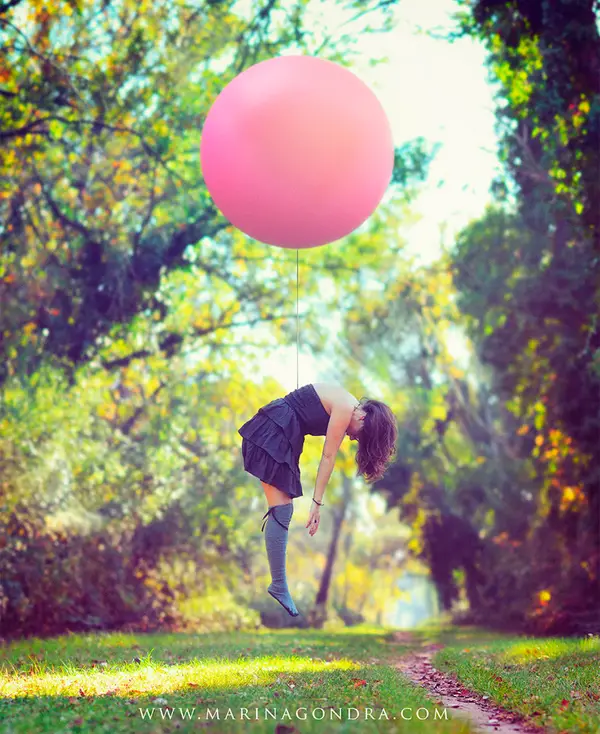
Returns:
point(135, 322)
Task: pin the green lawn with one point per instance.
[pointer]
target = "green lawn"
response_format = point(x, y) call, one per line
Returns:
point(90, 683)
point(163, 683)
point(555, 681)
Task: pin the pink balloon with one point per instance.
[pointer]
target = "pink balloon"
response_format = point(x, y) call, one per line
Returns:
point(297, 152)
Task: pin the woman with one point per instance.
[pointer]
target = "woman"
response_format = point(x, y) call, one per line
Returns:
point(273, 439)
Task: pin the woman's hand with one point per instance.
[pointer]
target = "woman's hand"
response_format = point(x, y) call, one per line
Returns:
point(313, 520)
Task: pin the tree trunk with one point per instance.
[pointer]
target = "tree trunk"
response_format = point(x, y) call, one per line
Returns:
point(318, 614)
point(347, 547)
point(473, 578)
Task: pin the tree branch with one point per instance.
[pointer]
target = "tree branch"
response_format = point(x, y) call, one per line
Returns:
point(63, 218)
point(6, 6)
point(25, 129)
point(173, 340)
point(126, 427)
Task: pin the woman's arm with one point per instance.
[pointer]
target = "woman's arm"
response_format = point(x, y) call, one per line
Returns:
point(339, 420)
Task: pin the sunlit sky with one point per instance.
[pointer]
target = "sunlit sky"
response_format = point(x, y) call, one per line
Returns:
point(432, 88)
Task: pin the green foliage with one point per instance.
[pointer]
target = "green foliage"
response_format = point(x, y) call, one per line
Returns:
point(529, 289)
point(54, 581)
point(102, 192)
point(510, 451)
point(411, 163)
point(217, 610)
point(102, 464)
point(130, 307)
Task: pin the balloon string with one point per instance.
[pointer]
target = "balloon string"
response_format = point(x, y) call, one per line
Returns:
point(297, 325)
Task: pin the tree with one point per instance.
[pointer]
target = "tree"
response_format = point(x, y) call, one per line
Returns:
point(540, 245)
point(101, 195)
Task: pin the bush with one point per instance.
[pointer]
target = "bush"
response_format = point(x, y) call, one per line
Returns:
point(53, 582)
point(217, 610)
point(527, 588)
point(349, 616)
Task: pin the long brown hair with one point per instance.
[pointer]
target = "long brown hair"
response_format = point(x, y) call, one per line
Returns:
point(376, 440)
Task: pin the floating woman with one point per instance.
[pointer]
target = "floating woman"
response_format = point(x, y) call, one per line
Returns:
point(272, 442)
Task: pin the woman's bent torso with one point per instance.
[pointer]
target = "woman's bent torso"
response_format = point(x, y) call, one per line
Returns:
point(333, 395)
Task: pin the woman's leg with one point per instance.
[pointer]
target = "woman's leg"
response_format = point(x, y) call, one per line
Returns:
point(275, 496)
point(281, 509)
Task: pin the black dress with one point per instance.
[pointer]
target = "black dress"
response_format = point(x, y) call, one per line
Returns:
point(273, 439)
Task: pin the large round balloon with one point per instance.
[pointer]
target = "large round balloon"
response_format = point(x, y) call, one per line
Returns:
point(297, 152)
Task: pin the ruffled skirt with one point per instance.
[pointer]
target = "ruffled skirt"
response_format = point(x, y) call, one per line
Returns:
point(272, 444)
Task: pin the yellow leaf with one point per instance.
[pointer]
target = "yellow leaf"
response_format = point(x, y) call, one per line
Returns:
point(568, 494)
point(438, 412)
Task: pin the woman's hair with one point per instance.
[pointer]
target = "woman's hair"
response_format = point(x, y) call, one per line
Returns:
point(376, 440)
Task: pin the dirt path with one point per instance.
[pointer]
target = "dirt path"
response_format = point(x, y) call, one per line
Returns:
point(484, 715)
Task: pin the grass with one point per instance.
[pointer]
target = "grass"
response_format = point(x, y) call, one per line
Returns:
point(112, 682)
point(91, 683)
point(555, 681)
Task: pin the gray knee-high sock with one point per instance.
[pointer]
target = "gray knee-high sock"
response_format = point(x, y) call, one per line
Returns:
point(276, 538)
